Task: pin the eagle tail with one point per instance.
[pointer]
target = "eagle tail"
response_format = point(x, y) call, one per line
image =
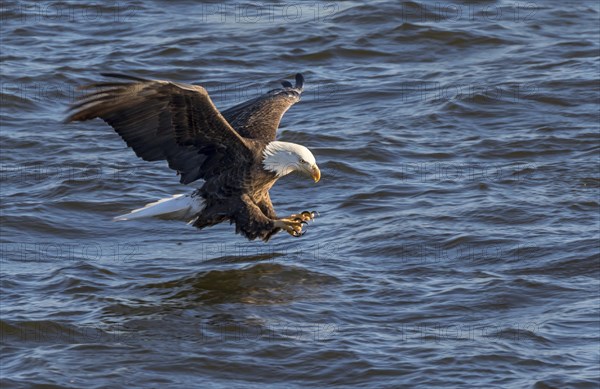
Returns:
point(177, 207)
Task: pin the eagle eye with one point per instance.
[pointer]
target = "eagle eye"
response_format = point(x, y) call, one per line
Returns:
point(302, 160)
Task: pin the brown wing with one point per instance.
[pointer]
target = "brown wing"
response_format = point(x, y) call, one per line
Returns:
point(162, 120)
point(259, 118)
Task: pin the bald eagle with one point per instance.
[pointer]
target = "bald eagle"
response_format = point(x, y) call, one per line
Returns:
point(234, 151)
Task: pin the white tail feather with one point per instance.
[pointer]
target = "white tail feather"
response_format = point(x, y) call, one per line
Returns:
point(177, 207)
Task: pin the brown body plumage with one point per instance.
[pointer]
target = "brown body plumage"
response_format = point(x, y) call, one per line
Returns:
point(162, 120)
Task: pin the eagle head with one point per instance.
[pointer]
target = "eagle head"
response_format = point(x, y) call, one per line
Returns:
point(283, 158)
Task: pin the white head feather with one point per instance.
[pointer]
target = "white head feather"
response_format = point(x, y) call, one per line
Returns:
point(283, 158)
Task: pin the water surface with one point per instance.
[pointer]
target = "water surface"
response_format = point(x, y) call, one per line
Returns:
point(457, 243)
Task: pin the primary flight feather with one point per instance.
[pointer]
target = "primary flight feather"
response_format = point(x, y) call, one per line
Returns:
point(234, 151)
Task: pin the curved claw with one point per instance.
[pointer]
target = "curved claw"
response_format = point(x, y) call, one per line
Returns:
point(309, 214)
point(294, 224)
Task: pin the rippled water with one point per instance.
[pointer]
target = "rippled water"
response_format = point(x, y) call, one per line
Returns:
point(458, 238)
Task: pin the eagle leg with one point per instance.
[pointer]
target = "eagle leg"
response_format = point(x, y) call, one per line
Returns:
point(293, 224)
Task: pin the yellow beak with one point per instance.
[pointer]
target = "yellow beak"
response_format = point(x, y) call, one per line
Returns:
point(316, 173)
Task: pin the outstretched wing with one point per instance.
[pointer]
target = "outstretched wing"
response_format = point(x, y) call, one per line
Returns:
point(162, 120)
point(259, 118)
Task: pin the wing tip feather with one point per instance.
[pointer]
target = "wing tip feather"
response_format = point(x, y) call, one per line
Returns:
point(299, 81)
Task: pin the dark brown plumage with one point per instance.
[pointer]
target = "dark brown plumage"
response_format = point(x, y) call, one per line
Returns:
point(162, 120)
point(259, 118)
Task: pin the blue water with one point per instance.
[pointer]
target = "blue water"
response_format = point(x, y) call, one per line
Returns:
point(457, 242)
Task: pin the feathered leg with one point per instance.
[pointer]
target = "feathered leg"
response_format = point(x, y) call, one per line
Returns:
point(253, 221)
point(292, 224)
